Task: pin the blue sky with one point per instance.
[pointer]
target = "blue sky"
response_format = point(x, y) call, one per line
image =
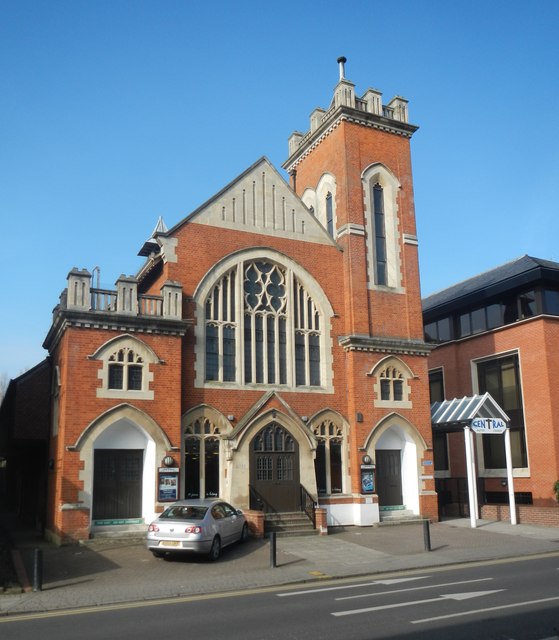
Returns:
point(115, 112)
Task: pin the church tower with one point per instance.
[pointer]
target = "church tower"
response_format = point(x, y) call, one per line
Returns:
point(353, 171)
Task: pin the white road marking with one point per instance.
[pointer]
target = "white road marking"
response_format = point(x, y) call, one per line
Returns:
point(352, 586)
point(474, 611)
point(450, 596)
point(434, 586)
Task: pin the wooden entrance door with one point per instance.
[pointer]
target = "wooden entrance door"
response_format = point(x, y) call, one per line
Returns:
point(389, 476)
point(117, 484)
point(274, 469)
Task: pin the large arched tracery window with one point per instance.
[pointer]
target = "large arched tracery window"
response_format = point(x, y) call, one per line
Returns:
point(263, 327)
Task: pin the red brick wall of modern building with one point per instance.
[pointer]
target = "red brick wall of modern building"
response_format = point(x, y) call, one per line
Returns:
point(535, 342)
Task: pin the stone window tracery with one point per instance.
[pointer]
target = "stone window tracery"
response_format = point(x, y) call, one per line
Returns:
point(329, 465)
point(262, 327)
point(392, 384)
point(126, 369)
point(202, 440)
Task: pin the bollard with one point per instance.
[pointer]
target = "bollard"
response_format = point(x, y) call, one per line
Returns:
point(426, 535)
point(38, 570)
point(273, 549)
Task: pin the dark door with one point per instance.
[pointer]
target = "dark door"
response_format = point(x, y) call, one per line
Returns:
point(274, 470)
point(389, 477)
point(117, 484)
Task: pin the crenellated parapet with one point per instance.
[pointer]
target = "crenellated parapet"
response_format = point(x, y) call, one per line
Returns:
point(346, 105)
point(121, 308)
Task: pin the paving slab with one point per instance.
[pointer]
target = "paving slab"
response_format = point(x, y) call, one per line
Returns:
point(105, 572)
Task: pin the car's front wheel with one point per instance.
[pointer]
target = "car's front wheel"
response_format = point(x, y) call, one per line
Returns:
point(215, 549)
point(158, 554)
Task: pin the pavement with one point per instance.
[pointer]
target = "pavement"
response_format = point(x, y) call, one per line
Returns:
point(109, 571)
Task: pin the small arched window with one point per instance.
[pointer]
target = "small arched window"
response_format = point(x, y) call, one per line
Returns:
point(202, 440)
point(391, 385)
point(329, 460)
point(392, 388)
point(126, 369)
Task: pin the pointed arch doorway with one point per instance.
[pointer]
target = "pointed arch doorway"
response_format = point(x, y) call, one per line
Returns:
point(274, 469)
point(389, 477)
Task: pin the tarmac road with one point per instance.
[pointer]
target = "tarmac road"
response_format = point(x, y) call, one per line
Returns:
point(112, 571)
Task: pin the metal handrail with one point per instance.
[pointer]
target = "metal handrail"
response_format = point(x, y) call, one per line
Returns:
point(257, 501)
point(308, 505)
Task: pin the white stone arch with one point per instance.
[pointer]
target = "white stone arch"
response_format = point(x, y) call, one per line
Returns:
point(373, 174)
point(241, 453)
point(223, 429)
point(123, 427)
point(326, 185)
point(141, 349)
point(311, 285)
point(396, 432)
point(309, 199)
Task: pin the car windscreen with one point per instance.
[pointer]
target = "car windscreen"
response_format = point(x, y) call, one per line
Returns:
point(179, 512)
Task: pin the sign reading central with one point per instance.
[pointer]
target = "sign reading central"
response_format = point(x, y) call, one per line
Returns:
point(488, 425)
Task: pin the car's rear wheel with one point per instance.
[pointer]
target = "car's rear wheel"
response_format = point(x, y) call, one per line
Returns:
point(215, 549)
point(244, 533)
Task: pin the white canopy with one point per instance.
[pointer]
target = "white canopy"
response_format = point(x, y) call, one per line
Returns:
point(457, 415)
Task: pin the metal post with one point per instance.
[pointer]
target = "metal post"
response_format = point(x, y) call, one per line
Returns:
point(471, 480)
point(510, 481)
point(38, 570)
point(426, 535)
point(273, 562)
point(474, 471)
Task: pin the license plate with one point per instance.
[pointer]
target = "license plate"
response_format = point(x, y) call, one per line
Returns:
point(169, 543)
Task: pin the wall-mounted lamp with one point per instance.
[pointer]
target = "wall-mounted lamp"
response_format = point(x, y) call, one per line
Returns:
point(503, 483)
point(305, 418)
point(359, 417)
point(168, 461)
point(230, 418)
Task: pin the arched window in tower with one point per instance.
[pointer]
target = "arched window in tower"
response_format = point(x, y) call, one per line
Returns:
point(383, 228)
point(329, 214)
point(125, 370)
point(262, 327)
point(392, 388)
point(391, 385)
point(380, 235)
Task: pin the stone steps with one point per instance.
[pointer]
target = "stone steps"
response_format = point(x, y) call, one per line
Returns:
point(126, 532)
point(290, 524)
point(400, 515)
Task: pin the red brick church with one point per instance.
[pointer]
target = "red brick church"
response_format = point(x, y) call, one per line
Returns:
point(270, 350)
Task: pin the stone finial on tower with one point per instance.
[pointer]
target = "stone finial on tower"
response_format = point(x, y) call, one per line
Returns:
point(341, 62)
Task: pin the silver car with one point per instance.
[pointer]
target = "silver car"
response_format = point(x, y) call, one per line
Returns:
point(201, 526)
